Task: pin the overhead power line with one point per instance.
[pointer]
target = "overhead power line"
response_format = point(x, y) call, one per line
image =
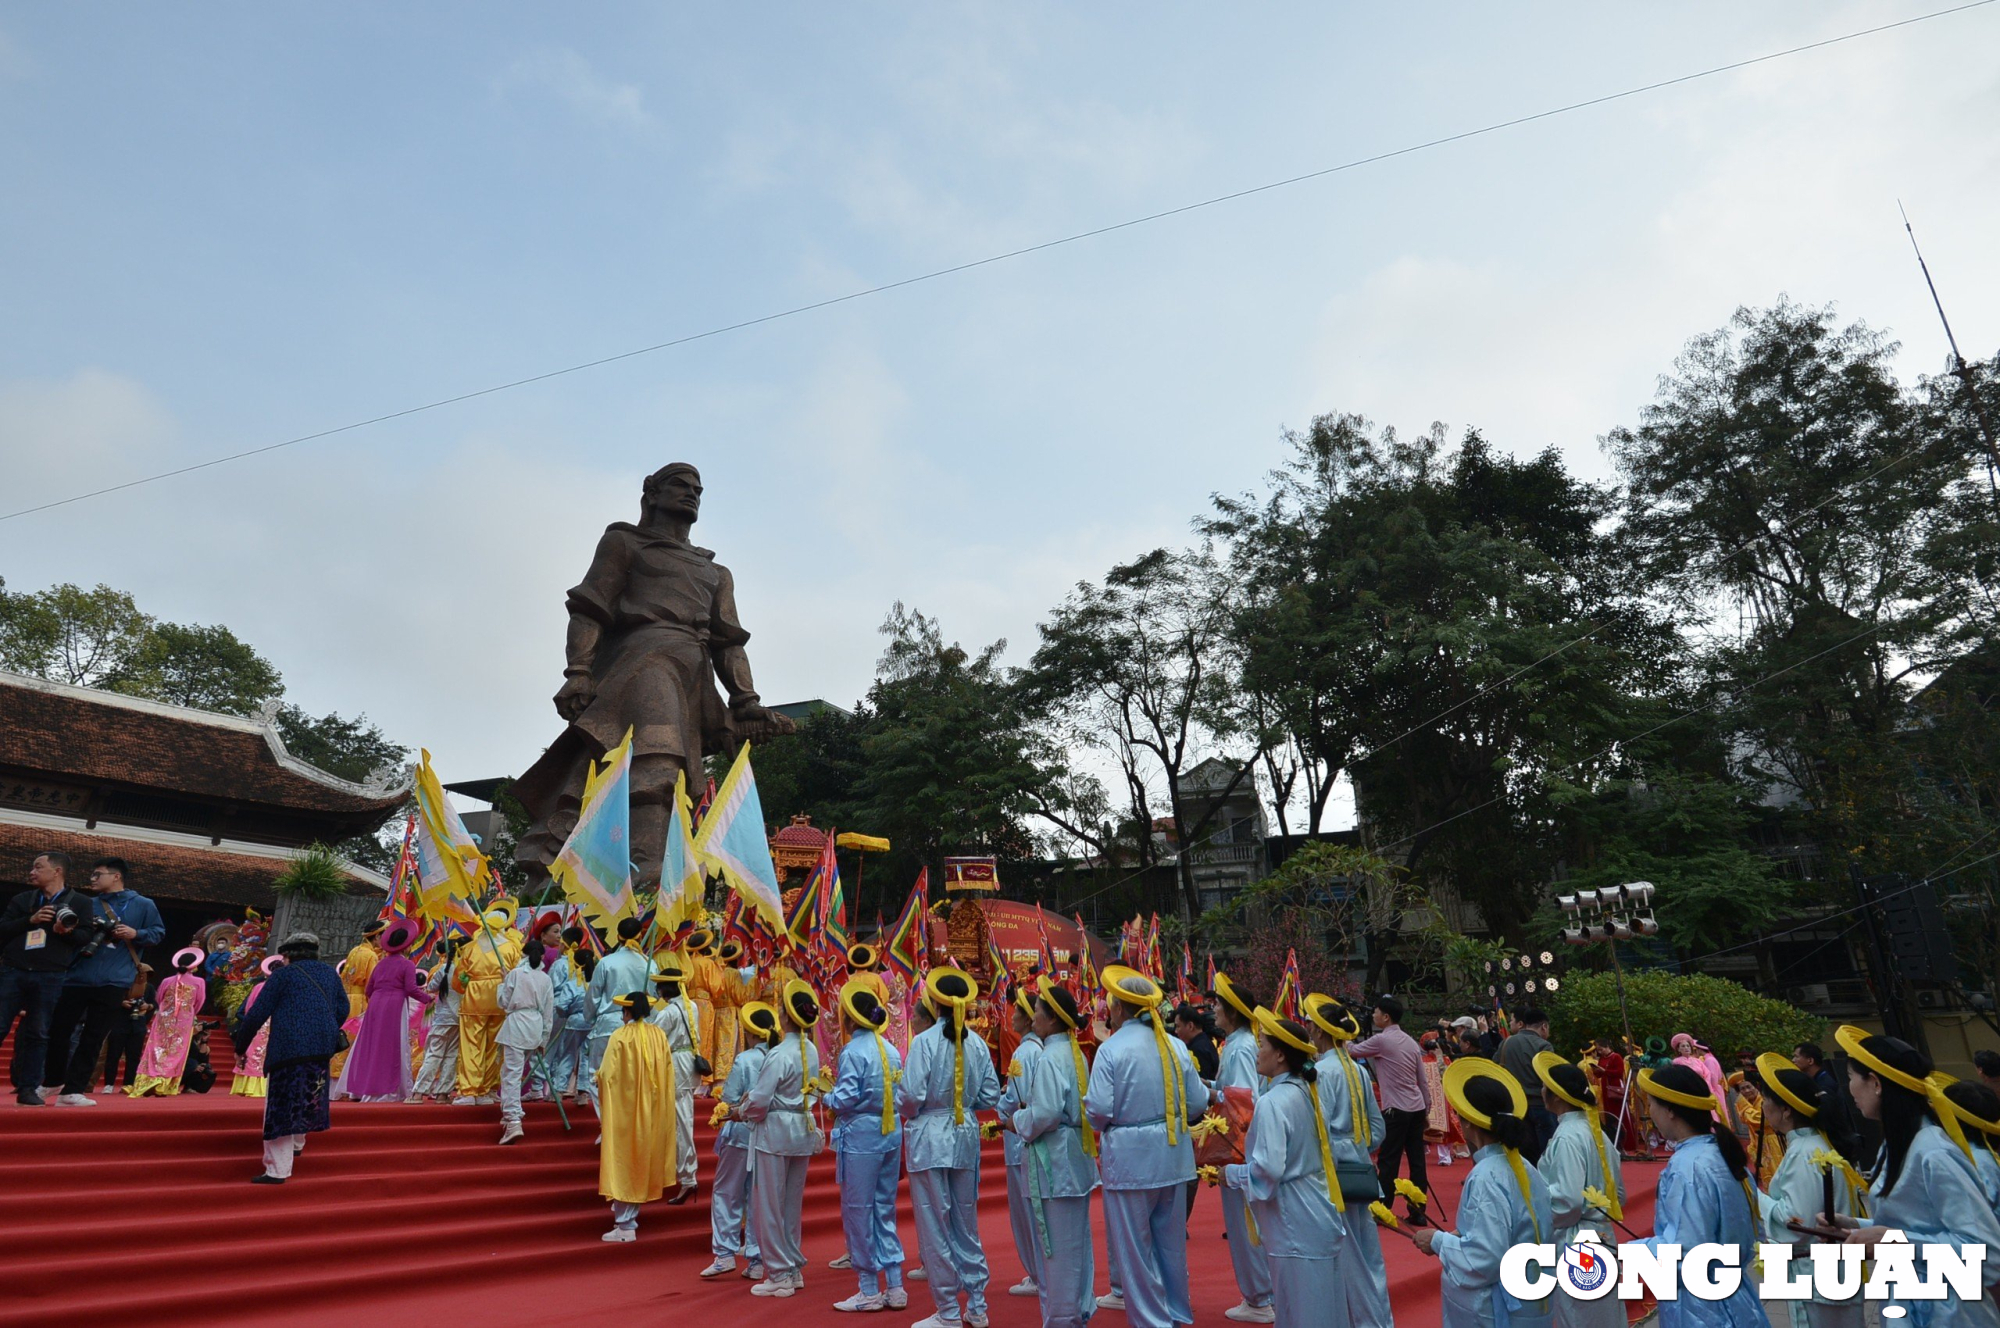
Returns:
point(956, 268)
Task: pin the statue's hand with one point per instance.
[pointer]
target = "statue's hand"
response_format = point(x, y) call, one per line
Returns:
point(756, 722)
point(577, 692)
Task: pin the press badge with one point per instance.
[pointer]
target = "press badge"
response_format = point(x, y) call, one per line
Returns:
point(35, 939)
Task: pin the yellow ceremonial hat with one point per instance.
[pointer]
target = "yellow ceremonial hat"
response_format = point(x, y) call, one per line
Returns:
point(801, 1005)
point(861, 955)
point(507, 907)
point(949, 987)
point(857, 996)
point(1330, 1015)
point(1053, 994)
point(630, 999)
point(761, 1016)
point(1771, 1068)
point(730, 952)
point(1545, 1064)
point(1024, 999)
point(699, 940)
point(1649, 1084)
point(1944, 1083)
point(1131, 986)
point(1237, 1001)
point(1274, 1028)
point(666, 968)
point(1467, 1068)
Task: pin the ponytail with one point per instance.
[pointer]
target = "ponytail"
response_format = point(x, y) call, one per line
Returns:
point(1682, 1079)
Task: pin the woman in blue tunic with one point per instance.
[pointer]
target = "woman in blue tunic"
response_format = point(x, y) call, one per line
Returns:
point(730, 1230)
point(1924, 1183)
point(783, 1140)
point(1579, 1158)
point(1978, 1111)
point(1235, 1010)
point(867, 1150)
point(1059, 1161)
point(1287, 1175)
point(947, 1078)
point(1354, 1122)
point(1504, 1203)
point(1705, 1195)
point(1793, 1109)
point(1013, 1093)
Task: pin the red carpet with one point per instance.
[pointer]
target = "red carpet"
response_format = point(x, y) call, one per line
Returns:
point(141, 1211)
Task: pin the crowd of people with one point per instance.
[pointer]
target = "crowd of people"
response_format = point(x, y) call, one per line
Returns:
point(1305, 1124)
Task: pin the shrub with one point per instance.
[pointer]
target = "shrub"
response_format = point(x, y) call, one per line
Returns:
point(1730, 1018)
point(316, 873)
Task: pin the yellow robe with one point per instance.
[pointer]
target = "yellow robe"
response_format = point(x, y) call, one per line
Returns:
point(729, 995)
point(635, 1103)
point(704, 976)
point(354, 975)
point(477, 973)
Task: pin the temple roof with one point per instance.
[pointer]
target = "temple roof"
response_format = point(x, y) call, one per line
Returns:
point(800, 834)
point(78, 738)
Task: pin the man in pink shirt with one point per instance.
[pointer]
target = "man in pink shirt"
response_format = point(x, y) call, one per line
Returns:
point(1398, 1063)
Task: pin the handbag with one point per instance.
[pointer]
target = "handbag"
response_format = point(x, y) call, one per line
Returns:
point(1358, 1180)
point(340, 1030)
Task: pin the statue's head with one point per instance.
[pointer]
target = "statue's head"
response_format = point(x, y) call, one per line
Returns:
point(673, 491)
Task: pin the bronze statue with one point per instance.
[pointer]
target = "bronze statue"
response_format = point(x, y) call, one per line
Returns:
point(652, 627)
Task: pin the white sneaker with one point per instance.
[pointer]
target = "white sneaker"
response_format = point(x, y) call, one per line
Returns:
point(754, 1270)
point(512, 1133)
point(777, 1286)
point(1111, 1300)
point(896, 1298)
point(75, 1100)
point(463, 1101)
point(934, 1321)
point(620, 1236)
point(845, 1260)
point(1025, 1287)
point(917, 1274)
point(1248, 1313)
point(720, 1267)
point(973, 1320)
point(861, 1304)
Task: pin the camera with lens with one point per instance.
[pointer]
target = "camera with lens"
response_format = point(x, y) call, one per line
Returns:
point(95, 931)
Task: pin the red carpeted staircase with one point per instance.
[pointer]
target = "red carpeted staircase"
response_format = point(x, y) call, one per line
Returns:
point(141, 1211)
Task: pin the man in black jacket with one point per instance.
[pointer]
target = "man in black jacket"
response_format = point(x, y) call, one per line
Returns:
point(39, 934)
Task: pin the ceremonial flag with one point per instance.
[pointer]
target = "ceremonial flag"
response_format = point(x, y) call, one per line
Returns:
point(1001, 972)
point(1046, 950)
point(971, 874)
point(594, 866)
point(800, 917)
point(831, 907)
point(450, 867)
point(1156, 967)
point(402, 880)
point(731, 841)
point(1187, 972)
point(732, 921)
point(907, 945)
point(1086, 967)
point(701, 808)
point(682, 883)
point(1286, 1006)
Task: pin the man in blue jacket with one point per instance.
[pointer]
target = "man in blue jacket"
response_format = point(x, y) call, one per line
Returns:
point(93, 994)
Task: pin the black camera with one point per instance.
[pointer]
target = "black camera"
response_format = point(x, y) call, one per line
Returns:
point(96, 931)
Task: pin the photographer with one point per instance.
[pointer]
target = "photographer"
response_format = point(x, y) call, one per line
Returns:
point(39, 937)
point(120, 923)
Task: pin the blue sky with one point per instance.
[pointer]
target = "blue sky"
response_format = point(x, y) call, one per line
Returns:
point(231, 224)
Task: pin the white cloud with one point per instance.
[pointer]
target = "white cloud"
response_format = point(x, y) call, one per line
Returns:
point(572, 79)
point(62, 436)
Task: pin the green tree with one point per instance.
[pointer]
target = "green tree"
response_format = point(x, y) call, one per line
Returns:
point(1453, 628)
point(1730, 1018)
point(1785, 480)
point(1138, 668)
point(207, 668)
point(86, 638)
point(947, 762)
